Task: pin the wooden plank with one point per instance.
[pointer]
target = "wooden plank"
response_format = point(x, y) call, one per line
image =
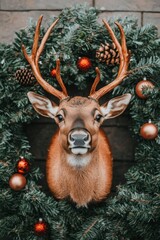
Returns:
point(129, 5)
point(12, 22)
point(152, 18)
point(39, 136)
point(121, 141)
point(39, 4)
point(120, 121)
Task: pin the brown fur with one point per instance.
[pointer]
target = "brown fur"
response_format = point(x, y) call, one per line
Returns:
point(91, 183)
point(84, 177)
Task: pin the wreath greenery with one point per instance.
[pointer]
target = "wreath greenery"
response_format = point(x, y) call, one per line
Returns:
point(134, 211)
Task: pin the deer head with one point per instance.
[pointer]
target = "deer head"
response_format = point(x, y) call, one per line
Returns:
point(78, 118)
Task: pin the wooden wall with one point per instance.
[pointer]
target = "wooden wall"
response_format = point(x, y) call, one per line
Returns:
point(16, 14)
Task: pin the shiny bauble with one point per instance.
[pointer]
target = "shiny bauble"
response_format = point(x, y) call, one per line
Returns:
point(17, 182)
point(84, 64)
point(149, 131)
point(141, 86)
point(53, 72)
point(23, 165)
point(40, 227)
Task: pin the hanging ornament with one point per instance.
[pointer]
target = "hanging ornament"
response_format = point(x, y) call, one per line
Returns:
point(40, 227)
point(17, 181)
point(141, 86)
point(84, 64)
point(53, 72)
point(25, 77)
point(23, 165)
point(108, 53)
point(149, 131)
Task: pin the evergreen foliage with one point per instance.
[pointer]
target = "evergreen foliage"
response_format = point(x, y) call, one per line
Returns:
point(134, 211)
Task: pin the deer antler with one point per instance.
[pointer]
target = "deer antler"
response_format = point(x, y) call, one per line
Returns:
point(33, 60)
point(96, 81)
point(124, 62)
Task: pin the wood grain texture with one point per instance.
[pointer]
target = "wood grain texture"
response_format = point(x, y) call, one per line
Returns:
point(129, 5)
point(12, 22)
point(39, 136)
point(152, 18)
point(15, 14)
point(39, 4)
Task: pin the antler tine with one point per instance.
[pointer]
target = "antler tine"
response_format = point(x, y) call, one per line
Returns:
point(124, 62)
point(96, 81)
point(59, 79)
point(43, 42)
point(113, 37)
point(34, 58)
point(36, 37)
point(124, 49)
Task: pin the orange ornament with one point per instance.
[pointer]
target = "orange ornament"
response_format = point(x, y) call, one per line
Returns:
point(84, 64)
point(40, 227)
point(149, 131)
point(141, 86)
point(23, 165)
point(53, 72)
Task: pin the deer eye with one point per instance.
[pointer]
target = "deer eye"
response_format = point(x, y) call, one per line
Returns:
point(60, 117)
point(98, 117)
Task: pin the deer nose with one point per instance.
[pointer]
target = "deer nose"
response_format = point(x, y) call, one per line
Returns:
point(79, 138)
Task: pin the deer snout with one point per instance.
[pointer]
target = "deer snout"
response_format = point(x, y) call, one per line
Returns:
point(79, 141)
point(79, 138)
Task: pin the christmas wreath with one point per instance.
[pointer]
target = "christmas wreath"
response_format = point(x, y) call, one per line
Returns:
point(82, 44)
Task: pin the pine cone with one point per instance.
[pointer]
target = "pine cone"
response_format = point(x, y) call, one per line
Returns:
point(25, 77)
point(108, 53)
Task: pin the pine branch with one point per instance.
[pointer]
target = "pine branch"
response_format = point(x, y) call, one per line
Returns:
point(89, 228)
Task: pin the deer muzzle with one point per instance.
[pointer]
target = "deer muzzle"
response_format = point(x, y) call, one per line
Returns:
point(79, 141)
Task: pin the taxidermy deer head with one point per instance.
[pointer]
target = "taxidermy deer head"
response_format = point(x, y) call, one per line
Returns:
point(79, 163)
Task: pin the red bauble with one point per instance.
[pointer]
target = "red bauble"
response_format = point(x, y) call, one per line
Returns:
point(40, 227)
point(149, 131)
point(17, 181)
point(53, 72)
point(84, 64)
point(23, 165)
point(141, 86)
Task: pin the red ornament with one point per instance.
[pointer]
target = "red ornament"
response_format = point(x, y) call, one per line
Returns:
point(149, 131)
point(23, 165)
point(141, 86)
point(84, 64)
point(53, 72)
point(17, 181)
point(40, 227)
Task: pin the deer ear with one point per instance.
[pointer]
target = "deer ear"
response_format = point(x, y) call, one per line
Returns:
point(116, 106)
point(43, 105)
